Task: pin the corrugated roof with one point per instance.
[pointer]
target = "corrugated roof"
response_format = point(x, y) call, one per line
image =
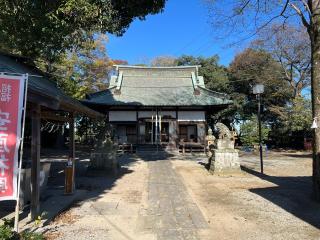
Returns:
point(144, 86)
point(39, 83)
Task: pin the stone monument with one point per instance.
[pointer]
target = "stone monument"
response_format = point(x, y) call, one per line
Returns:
point(223, 158)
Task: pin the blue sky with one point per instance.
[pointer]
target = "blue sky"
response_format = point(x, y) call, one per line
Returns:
point(183, 28)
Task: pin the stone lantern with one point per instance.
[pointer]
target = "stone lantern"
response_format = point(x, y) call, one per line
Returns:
point(210, 139)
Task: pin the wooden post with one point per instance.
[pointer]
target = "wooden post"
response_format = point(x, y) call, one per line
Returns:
point(72, 148)
point(137, 128)
point(35, 156)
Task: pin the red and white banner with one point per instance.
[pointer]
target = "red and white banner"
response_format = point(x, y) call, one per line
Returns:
point(12, 90)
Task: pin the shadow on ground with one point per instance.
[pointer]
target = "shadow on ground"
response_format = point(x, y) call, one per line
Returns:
point(293, 194)
point(302, 155)
point(91, 182)
point(97, 182)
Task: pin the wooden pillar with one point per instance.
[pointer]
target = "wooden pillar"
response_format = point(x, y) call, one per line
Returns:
point(72, 148)
point(137, 128)
point(177, 128)
point(35, 156)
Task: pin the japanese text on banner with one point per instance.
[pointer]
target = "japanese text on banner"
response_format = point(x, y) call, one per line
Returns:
point(11, 103)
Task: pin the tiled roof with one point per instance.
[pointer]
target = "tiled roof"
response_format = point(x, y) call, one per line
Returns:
point(158, 86)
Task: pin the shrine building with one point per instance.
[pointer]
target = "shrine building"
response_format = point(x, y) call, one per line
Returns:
point(158, 105)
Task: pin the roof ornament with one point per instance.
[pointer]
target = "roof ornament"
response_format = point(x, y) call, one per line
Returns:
point(119, 83)
point(195, 83)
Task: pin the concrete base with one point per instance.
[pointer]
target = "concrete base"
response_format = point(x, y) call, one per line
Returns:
point(224, 161)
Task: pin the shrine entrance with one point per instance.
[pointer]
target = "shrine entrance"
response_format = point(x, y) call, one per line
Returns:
point(155, 134)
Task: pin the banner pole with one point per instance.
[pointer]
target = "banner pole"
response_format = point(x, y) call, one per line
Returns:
point(16, 218)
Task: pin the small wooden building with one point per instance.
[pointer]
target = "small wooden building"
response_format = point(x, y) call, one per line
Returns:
point(157, 105)
point(45, 100)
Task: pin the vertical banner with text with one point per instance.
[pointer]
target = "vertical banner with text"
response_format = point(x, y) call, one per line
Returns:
point(12, 90)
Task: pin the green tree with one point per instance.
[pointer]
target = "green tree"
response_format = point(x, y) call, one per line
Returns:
point(46, 29)
point(86, 70)
point(216, 79)
point(248, 68)
point(164, 61)
point(293, 124)
point(249, 135)
point(298, 115)
point(215, 75)
point(288, 118)
point(254, 15)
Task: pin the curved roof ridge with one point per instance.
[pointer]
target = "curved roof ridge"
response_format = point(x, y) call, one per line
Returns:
point(96, 94)
point(156, 67)
point(211, 91)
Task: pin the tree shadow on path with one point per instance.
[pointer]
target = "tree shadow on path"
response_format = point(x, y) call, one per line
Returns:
point(293, 194)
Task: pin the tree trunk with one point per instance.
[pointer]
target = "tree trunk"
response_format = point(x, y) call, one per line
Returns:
point(315, 92)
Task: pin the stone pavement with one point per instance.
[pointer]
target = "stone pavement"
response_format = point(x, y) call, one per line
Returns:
point(147, 200)
point(171, 213)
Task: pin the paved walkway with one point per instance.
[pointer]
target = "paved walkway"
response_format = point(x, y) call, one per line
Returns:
point(171, 212)
point(146, 201)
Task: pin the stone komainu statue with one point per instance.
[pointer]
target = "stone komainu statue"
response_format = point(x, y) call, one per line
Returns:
point(223, 131)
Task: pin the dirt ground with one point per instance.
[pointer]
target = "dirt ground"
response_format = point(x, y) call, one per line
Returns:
point(246, 205)
point(249, 205)
point(109, 210)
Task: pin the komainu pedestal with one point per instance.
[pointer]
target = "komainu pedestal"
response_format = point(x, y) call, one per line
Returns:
point(223, 157)
point(224, 161)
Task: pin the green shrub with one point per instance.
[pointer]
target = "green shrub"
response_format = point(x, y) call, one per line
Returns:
point(7, 233)
point(31, 236)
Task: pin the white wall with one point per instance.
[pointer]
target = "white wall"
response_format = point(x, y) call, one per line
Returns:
point(168, 113)
point(130, 116)
point(122, 116)
point(148, 114)
point(191, 116)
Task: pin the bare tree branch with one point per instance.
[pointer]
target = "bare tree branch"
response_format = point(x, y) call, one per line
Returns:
point(244, 6)
point(303, 19)
point(307, 7)
point(284, 8)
